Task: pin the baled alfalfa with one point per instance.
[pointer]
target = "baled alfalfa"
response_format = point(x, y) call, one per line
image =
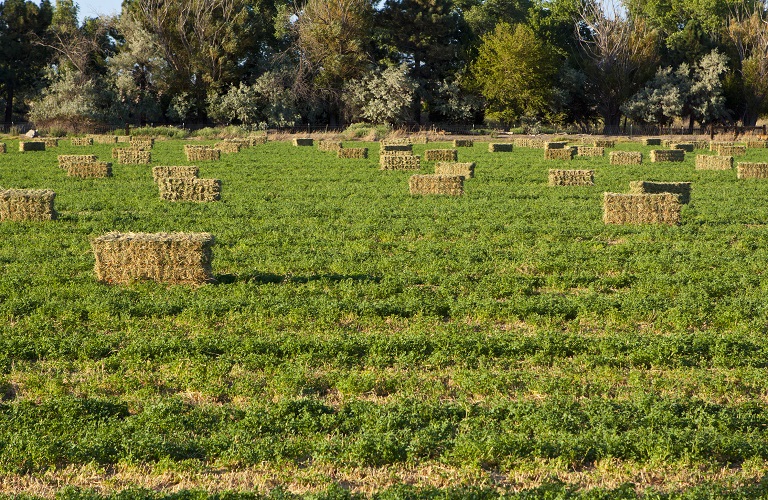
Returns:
point(27, 205)
point(500, 147)
point(228, 147)
point(667, 155)
point(685, 146)
point(651, 141)
point(181, 171)
point(757, 144)
point(303, 141)
point(590, 151)
point(81, 141)
point(441, 155)
point(399, 162)
point(189, 189)
point(66, 160)
point(401, 141)
point(392, 148)
point(51, 142)
point(681, 189)
point(404, 152)
point(555, 145)
point(700, 144)
point(257, 140)
point(731, 150)
point(172, 258)
point(31, 146)
point(329, 146)
point(103, 139)
point(451, 185)
point(353, 153)
point(560, 154)
point(3, 148)
point(750, 170)
point(130, 156)
point(466, 170)
point(142, 142)
point(626, 158)
point(713, 162)
point(201, 153)
point(116, 151)
point(604, 143)
point(713, 145)
point(571, 177)
point(463, 143)
point(619, 208)
point(124, 139)
point(89, 169)
point(527, 142)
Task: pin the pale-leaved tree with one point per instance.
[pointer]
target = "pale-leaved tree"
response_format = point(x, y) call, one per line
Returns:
point(381, 97)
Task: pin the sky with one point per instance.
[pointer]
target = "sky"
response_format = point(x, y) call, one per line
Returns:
point(92, 8)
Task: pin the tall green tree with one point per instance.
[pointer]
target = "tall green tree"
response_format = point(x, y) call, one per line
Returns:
point(748, 31)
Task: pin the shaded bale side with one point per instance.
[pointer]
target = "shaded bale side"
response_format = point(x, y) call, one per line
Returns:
point(306, 141)
point(463, 143)
point(441, 155)
point(681, 189)
point(750, 170)
point(175, 258)
point(590, 151)
point(712, 162)
point(228, 147)
point(182, 171)
point(66, 160)
point(201, 153)
point(685, 146)
point(626, 158)
point(27, 205)
point(559, 154)
point(451, 185)
point(466, 170)
point(500, 147)
point(651, 141)
point(399, 162)
point(757, 144)
point(571, 177)
point(51, 142)
point(142, 142)
point(189, 189)
point(31, 146)
point(731, 150)
point(621, 208)
point(353, 153)
point(103, 139)
point(90, 169)
point(330, 146)
point(130, 156)
point(667, 155)
point(604, 143)
point(555, 145)
point(81, 141)
point(391, 148)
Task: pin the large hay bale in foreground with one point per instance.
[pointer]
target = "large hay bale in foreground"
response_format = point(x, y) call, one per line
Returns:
point(712, 162)
point(142, 142)
point(89, 169)
point(163, 172)
point(559, 154)
point(353, 153)
point(651, 141)
point(305, 141)
point(66, 160)
point(685, 146)
point(130, 156)
point(228, 147)
point(757, 144)
point(500, 147)
point(604, 143)
point(571, 177)
point(451, 185)
point(463, 143)
point(51, 142)
point(667, 155)
point(103, 139)
point(750, 170)
point(399, 162)
point(590, 151)
point(682, 189)
point(626, 158)
point(391, 148)
point(189, 189)
point(201, 153)
point(175, 258)
point(641, 208)
point(441, 155)
point(31, 146)
point(731, 150)
point(466, 170)
point(27, 205)
point(81, 141)
point(331, 146)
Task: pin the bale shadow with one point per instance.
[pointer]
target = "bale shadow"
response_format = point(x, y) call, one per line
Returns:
point(261, 278)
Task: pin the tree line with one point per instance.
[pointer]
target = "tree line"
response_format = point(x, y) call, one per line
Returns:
point(273, 63)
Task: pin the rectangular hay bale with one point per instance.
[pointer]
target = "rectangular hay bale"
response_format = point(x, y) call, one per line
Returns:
point(651, 141)
point(626, 158)
point(31, 146)
point(228, 147)
point(331, 146)
point(130, 156)
point(66, 160)
point(305, 141)
point(81, 141)
point(713, 162)
point(103, 139)
point(399, 162)
point(751, 170)
point(555, 145)
point(124, 139)
point(51, 142)
point(142, 142)
point(681, 189)
point(466, 170)
point(500, 147)
point(590, 151)
point(604, 143)
point(559, 154)
point(571, 177)
point(757, 144)
point(27, 205)
point(201, 153)
point(189, 189)
point(713, 145)
point(619, 208)
point(441, 155)
point(685, 146)
point(667, 155)
point(451, 185)
point(731, 150)
point(353, 153)
point(463, 143)
point(89, 169)
point(183, 171)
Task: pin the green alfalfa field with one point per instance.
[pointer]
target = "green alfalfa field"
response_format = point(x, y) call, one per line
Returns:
point(363, 341)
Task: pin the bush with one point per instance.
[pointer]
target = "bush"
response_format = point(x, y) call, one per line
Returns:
point(366, 131)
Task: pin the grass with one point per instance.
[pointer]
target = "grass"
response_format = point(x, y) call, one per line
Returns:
point(506, 341)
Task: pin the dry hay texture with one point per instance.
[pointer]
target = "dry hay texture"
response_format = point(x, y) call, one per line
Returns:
point(51, 142)
point(524, 142)
point(712, 162)
point(116, 151)
point(466, 170)
point(142, 142)
point(463, 143)
point(559, 154)
point(685, 146)
point(303, 142)
point(81, 141)
point(189, 189)
point(104, 139)
point(700, 144)
point(399, 162)
point(201, 153)
point(353, 153)
point(66, 160)
point(590, 151)
point(31, 146)
point(500, 147)
point(390, 148)
point(406, 141)
point(555, 145)
point(651, 141)
point(604, 143)
point(228, 147)
point(757, 144)
point(731, 150)
point(89, 169)
point(189, 172)
point(130, 156)
point(27, 205)
point(641, 208)
point(257, 140)
point(399, 152)
point(626, 158)
point(3, 148)
point(662, 155)
point(441, 155)
point(419, 139)
point(745, 170)
point(451, 185)
point(713, 145)
point(123, 139)
point(331, 146)
point(681, 189)
point(175, 258)
point(571, 177)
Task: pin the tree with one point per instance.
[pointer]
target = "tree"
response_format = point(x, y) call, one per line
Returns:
point(748, 31)
point(266, 103)
point(482, 16)
point(381, 97)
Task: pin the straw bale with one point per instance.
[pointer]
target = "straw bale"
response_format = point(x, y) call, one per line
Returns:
point(66, 160)
point(51, 142)
point(713, 145)
point(189, 189)
point(142, 142)
point(397, 153)
point(712, 162)
point(604, 143)
point(452, 185)
point(3, 148)
point(626, 158)
point(188, 172)
point(89, 169)
point(571, 177)
point(116, 151)
point(664, 155)
point(559, 154)
point(700, 144)
point(123, 138)
point(329, 145)
point(731, 150)
point(403, 141)
point(399, 162)
point(31, 146)
point(685, 146)
point(306, 141)
point(590, 151)
point(175, 258)
point(81, 141)
point(27, 205)
point(681, 189)
point(391, 148)
point(441, 155)
point(757, 144)
point(641, 208)
point(748, 170)
point(201, 153)
point(555, 145)
point(466, 170)
point(258, 140)
point(353, 153)
point(652, 141)
point(419, 139)
point(463, 143)
point(103, 139)
point(228, 147)
point(524, 142)
point(130, 156)
point(499, 147)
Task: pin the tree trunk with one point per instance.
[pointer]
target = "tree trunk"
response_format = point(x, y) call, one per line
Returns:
point(612, 123)
point(9, 105)
point(750, 116)
point(690, 124)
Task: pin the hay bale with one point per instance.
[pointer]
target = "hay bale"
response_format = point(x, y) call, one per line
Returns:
point(399, 162)
point(441, 155)
point(306, 141)
point(27, 205)
point(731, 150)
point(397, 153)
point(466, 170)
point(3, 148)
point(451, 185)
point(667, 155)
point(626, 158)
point(590, 151)
point(403, 141)
point(757, 144)
point(555, 145)
point(604, 143)
point(712, 162)
point(524, 142)
point(130, 156)
point(66, 160)
point(228, 147)
point(685, 146)
point(258, 140)
point(51, 142)
point(89, 169)
point(353, 153)
point(189, 189)
point(499, 147)
point(681, 189)
point(188, 172)
point(201, 153)
point(463, 143)
point(641, 208)
point(144, 143)
point(700, 144)
point(749, 170)
point(31, 146)
point(571, 177)
point(103, 139)
point(559, 154)
point(124, 139)
point(419, 139)
point(175, 258)
point(391, 148)
point(81, 141)
point(713, 145)
point(651, 141)
point(331, 146)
